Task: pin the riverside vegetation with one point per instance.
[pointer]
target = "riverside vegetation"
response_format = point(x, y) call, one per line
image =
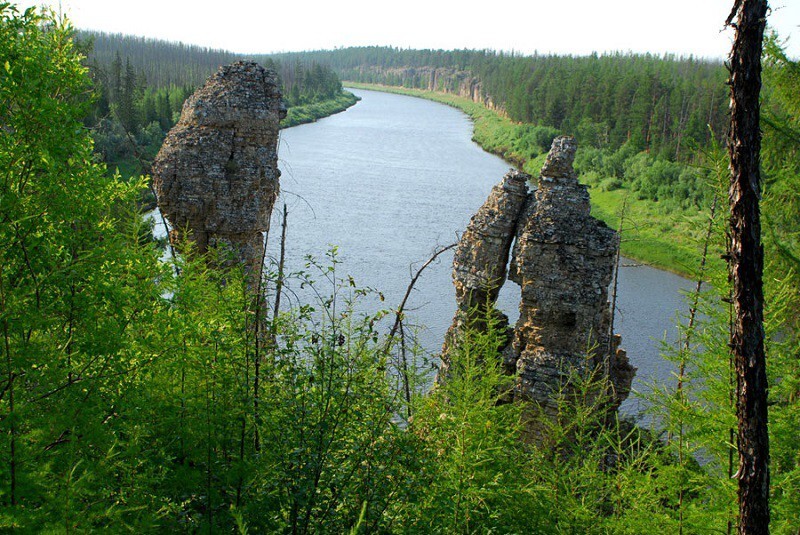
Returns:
point(649, 127)
point(136, 396)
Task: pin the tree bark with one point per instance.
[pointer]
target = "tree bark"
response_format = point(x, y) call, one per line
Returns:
point(746, 266)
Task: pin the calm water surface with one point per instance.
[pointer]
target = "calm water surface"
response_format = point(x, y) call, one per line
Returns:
point(393, 178)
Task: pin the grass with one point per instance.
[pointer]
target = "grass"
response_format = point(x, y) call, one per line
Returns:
point(311, 112)
point(652, 234)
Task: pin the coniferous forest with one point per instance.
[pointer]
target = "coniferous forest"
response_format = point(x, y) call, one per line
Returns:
point(649, 101)
point(139, 394)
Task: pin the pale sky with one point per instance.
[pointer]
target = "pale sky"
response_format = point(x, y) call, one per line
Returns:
point(578, 27)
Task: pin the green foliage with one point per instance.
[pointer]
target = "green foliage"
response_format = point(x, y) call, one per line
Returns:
point(781, 145)
point(309, 113)
point(143, 396)
point(473, 463)
point(534, 140)
point(780, 150)
point(329, 429)
point(598, 474)
point(306, 84)
point(75, 282)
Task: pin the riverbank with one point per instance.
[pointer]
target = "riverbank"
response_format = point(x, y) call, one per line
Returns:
point(652, 234)
point(311, 112)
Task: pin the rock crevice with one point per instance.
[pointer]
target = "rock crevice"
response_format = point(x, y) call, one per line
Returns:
point(563, 260)
point(480, 260)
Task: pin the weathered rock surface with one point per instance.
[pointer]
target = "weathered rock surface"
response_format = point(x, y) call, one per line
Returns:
point(563, 260)
point(479, 263)
point(216, 175)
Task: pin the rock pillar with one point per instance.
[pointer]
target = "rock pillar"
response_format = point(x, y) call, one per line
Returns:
point(479, 263)
point(216, 175)
point(563, 260)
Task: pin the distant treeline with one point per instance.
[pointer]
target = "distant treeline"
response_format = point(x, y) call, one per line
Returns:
point(657, 104)
point(160, 63)
point(163, 64)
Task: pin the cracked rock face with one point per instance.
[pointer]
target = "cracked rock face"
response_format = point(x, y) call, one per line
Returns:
point(563, 260)
point(479, 263)
point(216, 174)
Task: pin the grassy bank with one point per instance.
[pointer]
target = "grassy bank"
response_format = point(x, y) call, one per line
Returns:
point(664, 238)
point(311, 112)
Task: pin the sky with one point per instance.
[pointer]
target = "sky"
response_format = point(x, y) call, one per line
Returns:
point(578, 27)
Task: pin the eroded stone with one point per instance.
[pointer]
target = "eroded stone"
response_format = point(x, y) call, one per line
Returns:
point(479, 263)
point(563, 260)
point(216, 175)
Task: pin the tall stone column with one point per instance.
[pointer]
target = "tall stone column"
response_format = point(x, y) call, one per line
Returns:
point(479, 263)
point(563, 260)
point(216, 175)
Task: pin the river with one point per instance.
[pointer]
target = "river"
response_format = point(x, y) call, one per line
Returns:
point(393, 178)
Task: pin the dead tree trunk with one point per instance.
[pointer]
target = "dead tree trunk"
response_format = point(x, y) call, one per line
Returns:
point(746, 265)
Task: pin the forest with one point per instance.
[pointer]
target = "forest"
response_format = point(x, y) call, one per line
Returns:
point(137, 395)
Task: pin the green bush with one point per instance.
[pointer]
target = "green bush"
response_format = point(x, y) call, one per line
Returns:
point(610, 184)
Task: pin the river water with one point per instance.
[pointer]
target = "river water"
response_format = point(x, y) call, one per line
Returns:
point(393, 178)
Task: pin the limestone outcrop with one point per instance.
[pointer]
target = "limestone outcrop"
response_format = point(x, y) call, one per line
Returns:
point(480, 260)
point(216, 175)
point(563, 260)
point(462, 83)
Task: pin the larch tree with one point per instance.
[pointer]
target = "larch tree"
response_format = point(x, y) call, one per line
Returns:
point(747, 264)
